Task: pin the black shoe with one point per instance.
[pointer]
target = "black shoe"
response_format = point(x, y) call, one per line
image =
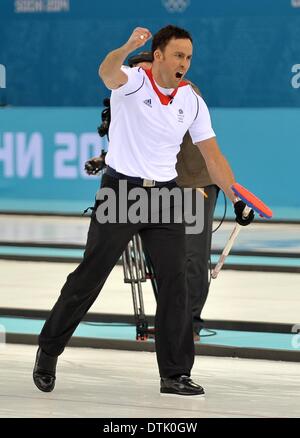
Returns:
point(44, 371)
point(182, 385)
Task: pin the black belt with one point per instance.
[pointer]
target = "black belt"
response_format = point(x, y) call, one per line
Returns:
point(137, 181)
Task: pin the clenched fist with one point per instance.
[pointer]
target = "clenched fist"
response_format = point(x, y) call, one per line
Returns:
point(138, 38)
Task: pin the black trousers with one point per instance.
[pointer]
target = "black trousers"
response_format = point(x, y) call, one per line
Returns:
point(198, 248)
point(165, 243)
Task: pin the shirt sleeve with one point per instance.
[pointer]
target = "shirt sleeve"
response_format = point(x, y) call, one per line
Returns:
point(135, 81)
point(201, 128)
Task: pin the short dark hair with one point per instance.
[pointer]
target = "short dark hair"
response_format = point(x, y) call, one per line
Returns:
point(164, 35)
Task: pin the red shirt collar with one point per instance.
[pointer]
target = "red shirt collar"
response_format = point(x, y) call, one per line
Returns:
point(164, 99)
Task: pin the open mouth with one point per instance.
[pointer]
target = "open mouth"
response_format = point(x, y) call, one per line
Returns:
point(179, 75)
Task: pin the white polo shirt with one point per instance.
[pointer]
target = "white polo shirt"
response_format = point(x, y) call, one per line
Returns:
point(145, 134)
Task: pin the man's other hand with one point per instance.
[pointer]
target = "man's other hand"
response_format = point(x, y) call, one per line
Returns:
point(239, 207)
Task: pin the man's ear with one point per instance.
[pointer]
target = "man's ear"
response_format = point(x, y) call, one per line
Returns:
point(157, 55)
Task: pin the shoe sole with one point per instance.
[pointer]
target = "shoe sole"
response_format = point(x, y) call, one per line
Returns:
point(192, 396)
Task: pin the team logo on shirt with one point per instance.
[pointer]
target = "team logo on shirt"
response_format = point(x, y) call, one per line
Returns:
point(180, 116)
point(148, 102)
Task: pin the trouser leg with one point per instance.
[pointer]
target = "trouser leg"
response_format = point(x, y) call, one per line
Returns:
point(84, 284)
point(173, 320)
point(198, 247)
point(104, 247)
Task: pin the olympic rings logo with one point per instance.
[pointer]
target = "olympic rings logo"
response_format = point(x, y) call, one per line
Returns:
point(176, 5)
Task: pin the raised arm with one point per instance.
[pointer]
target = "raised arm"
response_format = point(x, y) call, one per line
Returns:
point(110, 69)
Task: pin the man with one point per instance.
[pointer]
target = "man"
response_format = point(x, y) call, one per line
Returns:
point(192, 173)
point(151, 111)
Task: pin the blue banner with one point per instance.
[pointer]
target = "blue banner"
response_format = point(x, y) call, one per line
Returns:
point(246, 53)
point(154, 8)
point(43, 151)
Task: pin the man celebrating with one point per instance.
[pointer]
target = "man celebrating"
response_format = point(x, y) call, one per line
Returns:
point(151, 112)
point(191, 173)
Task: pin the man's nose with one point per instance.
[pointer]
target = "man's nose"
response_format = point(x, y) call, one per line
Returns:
point(185, 64)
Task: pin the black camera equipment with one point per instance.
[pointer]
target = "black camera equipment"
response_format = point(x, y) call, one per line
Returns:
point(105, 117)
point(95, 165)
